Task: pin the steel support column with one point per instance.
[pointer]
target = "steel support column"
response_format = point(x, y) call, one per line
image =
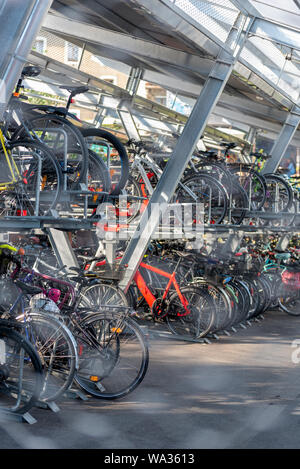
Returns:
point(20, 22)
point(62, 248)
point(283, 140)
point(184, 148)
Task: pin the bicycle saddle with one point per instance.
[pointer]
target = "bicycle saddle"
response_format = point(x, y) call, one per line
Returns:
point(31, 71)
point(80, 279)
point(74, 90)
point(208, 154)
point(29, 289)
point(76, 269)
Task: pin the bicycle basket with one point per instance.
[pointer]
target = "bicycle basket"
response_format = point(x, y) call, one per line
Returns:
point(291, 278)
point(40, 302)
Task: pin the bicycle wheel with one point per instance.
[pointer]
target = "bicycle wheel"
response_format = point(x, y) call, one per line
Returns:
point(57, 348)
point(267, 293)
point(279, 194)
point(238, 203)
point(273, 279)
point(98, 181)
point(224, 307)
point(111, 149)
point(262, 298)
point(289, 300)
point(113, 355)
point(196, 318)
point(243, 288)
point(204, 190)
point(38, 190)
point(66, 142)
point(102, 294)
point(21, 374)
point(253, 183)
point(255, 298)
point(135, 207)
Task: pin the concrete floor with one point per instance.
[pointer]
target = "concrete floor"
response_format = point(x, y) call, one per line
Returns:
point(242, 391)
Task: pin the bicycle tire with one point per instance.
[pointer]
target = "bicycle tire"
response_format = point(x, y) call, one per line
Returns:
point(239, 302)
point(271, 178)
point(238, 203)
point(101, 375)
point(187, 325)
point(101, 294)
point(98, 182)
point(76, 170)
point(224, 308)
point(117, 144)
point(48, 179)
point(204, 184)
point(13, 343)
point(56, 346)
point(257, 199)
point(289, 300)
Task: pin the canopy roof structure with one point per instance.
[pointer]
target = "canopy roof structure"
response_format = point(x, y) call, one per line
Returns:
point(174, 43)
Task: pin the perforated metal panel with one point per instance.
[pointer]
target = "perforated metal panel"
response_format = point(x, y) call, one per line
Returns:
point(217, 16)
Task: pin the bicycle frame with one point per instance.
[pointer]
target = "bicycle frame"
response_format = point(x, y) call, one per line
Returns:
point(148, 295)
point(13, 169)
point(147, 160)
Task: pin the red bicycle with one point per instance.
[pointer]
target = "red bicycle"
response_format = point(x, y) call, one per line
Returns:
point(187, 310)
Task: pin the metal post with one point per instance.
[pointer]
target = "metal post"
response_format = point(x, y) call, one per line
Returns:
point(20, 23)
point(183, 151)
point(283, 140)
point(62, 247)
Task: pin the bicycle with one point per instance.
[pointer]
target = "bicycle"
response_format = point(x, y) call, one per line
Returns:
point(51, 126)
point(193, 189)
point(112, 350)
point(21, 374)
point(51, 339)
point(30, 181)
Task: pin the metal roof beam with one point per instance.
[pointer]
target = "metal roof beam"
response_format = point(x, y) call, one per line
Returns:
point(128, 44)
point(58, 72)
point(236, 102)
point(162, 58)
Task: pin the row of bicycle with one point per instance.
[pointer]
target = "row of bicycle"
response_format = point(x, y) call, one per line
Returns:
point(63, 328)
point(196, 294)
point(50, 161)
point(54, 335)
point(230, 193)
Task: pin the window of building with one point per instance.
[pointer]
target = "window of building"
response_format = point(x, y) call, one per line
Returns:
point(40, 45)
point(161, 100)
point(72, 52)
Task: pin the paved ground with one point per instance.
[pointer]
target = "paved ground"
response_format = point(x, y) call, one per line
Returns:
point(242, 391)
